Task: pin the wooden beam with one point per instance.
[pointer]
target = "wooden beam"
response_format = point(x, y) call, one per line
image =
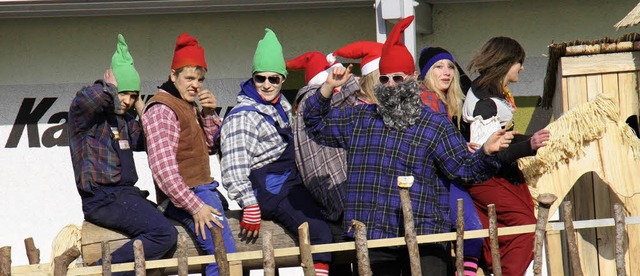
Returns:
point(599, 64)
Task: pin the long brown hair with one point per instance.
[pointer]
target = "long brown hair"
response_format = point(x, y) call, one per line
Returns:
point(493, 62)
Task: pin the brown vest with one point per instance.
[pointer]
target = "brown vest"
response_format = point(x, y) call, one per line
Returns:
point(193, 154)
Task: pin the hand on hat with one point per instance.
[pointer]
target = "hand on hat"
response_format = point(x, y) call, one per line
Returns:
point(108, 77)
point(207, 100)
point(337, 77)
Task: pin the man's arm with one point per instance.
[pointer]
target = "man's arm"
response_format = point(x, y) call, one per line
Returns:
point(92, 100)
point(239, 139)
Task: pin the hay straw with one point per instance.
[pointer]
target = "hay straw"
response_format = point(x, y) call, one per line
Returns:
point(572, 131)
point(632, 18)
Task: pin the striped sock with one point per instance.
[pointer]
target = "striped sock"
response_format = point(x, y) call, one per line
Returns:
point(322, 269)
point(470, 266)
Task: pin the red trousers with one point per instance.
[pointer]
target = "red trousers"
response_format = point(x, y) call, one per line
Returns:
point(514, 206)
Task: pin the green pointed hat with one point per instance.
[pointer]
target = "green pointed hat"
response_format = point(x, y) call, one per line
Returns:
point(123, 69)
point(268, 56)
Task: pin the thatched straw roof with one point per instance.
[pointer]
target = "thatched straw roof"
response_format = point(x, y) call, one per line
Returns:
point(633, 18)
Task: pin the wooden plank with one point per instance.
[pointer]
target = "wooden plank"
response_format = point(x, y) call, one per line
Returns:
point(605, 236)
point(628, 93)
point(610, 87)
point(594, 86)
point(560, 95)
point(555, 265)
point(632, 256)
point(602, 63)
point(584, 209)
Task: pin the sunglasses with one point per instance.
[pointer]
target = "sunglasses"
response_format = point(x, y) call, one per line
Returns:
point(275, 80)
point(396, 78)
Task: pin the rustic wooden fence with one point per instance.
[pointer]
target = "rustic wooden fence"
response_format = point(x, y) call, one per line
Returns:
point(231, 263)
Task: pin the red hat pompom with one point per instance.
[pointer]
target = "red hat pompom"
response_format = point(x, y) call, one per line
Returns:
point(188, 53)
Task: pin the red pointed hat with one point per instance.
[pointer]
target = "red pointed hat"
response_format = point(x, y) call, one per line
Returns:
point(188, 53)
point(368, 51)
point(315, 66)
point(395, 55)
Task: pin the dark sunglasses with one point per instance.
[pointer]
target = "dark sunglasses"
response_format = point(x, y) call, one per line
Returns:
point(396, 78)
point(272, 79)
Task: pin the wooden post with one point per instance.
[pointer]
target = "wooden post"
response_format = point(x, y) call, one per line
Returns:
point(5, 261)
point(544, 203)
point(493, 239)
point(139, 265)
point(106, 259)
point(269, 262)
point(33, 253)
point(574, 256)
point(305, 250)
point(460, 238)
point(181, 252)
point(620, 223)
point(405, 183)
point(362, 251)
point(61, 263)
point(220, 251)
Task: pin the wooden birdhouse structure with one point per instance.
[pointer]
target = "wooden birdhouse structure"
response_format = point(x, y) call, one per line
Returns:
point(593, 157)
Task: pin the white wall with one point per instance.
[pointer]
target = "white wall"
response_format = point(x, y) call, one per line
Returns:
point(54, 57)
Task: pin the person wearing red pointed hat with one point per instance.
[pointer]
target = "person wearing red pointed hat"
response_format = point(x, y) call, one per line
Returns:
point(399, 136)
point(258, 160)
point(323, 169)
point(396, 62)
point(369, 52)
point(102, 138)
point(179, 142)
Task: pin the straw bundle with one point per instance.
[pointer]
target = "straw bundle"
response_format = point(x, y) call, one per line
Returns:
point(68, 237)
point(633, 18)
point(572, 131)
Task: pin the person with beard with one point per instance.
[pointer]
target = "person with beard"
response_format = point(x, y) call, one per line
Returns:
point(489, 106)
point(258, 157)
point(102, 138)
point(399, 137)
point(179, 142)
point(441, 91)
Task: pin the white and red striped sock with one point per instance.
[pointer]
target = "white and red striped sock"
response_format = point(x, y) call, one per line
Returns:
point(322, 269)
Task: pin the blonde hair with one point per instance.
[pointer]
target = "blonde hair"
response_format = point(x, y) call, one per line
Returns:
point(367, 83)
point(454, 98)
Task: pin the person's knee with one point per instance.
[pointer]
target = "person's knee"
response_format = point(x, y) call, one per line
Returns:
point(166, 234)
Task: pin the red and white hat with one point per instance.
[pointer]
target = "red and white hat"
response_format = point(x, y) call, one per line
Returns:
point(368, 51)
point(315, 66)
point(395, 55)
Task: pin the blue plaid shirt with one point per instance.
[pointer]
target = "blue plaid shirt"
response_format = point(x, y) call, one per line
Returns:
point(91, 141)
point(432, 150)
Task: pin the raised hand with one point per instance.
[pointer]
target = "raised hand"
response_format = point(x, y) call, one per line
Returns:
point(337, 77)
point(108, 77)
point(207, 99)
point(499, 140)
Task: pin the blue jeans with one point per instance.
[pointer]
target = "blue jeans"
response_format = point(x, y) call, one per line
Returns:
point(207, 193)
point(124, 209)
point(472, 247)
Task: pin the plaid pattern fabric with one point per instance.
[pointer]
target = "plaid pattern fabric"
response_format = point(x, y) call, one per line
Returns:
point(323, 169)
point(95, 160)
point(248, 141)
point(431, 150)
point(163, 135)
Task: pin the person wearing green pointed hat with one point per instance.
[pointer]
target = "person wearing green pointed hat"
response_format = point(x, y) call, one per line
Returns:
point(102, 138)
point(258, 158)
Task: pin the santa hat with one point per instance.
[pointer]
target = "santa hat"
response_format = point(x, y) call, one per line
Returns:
point(395, 55)
point(123, 70)
point(368, 51)
point(429, 56)
point(316, 68)
point(268, 56)
point(188, 53)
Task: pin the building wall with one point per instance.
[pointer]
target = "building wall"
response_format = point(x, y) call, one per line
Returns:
point(46, 60)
